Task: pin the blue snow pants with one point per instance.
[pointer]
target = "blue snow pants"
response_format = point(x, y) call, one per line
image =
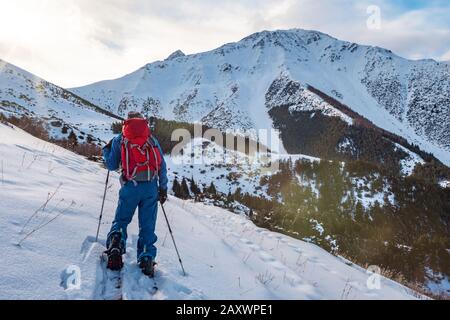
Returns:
point(143, 196)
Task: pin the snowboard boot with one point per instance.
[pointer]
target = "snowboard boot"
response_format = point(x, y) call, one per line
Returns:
point(114, 252)
point(147, 266)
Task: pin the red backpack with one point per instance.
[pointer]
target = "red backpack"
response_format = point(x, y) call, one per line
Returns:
point(141, 159)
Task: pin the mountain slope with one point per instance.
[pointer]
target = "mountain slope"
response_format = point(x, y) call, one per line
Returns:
point(47, 191)
point(352, 208)
point(22, 93)
point(227, 87)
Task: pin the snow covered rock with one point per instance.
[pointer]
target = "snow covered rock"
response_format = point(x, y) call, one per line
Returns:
point(176, 54)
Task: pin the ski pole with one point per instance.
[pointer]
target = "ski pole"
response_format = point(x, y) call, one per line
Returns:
point(173, 239)
point(103, 204)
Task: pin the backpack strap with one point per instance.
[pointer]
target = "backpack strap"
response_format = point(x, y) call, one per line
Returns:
point(128, 177)
point(154, 145)
point(127, 158)
point(148, 164)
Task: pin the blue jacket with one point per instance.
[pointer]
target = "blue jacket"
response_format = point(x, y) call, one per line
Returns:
point(112, 158)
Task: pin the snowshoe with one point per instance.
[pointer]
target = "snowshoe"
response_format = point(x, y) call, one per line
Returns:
point(114, 253)
point(147, 266)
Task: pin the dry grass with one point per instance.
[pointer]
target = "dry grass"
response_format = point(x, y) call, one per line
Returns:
point(37, 128)
point(265, 278)
point(88, 150)
point(416, 289)
point(347, 290)
point(33, 126)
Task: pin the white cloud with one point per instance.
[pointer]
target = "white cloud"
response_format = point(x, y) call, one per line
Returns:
point(415, 34)
point(74, 42)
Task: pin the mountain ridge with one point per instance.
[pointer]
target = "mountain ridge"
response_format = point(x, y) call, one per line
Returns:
point(23, 93)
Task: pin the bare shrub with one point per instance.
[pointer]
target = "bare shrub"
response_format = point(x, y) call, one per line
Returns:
point(265, 278)
point(37, 128)
point(347, 290)
point(89, 150)
point(414, 288)
point(33, 126)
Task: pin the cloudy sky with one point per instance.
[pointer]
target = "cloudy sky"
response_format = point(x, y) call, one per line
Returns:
point(76, 42)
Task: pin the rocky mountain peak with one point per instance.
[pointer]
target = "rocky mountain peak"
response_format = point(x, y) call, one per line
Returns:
point(175, 54)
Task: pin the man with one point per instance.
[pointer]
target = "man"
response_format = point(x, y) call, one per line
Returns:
point(144, 183)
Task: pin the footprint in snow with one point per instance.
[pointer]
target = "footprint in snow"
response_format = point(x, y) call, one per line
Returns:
point(323, 266)
point(254, 247)
point(309, 291)
point(357, 285)
point(233, 234)
point(266, 257)
point(298, 250)
point(16, 223)
point(173, 288)
point(88, 246)
point(334, 272)
point(246, 241)
point(309, 257)
point(277, 265)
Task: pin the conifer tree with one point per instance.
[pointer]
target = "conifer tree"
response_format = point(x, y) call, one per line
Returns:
point(212, 189)
point(176, 188)
point(194, 187)
point(72, 138)
point(185, 194)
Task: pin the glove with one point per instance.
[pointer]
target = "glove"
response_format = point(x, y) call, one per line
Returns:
point(109, 145)
point(162, 195)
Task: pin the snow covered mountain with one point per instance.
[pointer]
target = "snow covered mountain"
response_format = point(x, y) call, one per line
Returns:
point(47, 239)
point(22, 93)
point(229, 87)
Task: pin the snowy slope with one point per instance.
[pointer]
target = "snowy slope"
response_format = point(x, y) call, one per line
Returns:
point(225, 255)
point(24, 93)
point(227, 87)
point(227, 169)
